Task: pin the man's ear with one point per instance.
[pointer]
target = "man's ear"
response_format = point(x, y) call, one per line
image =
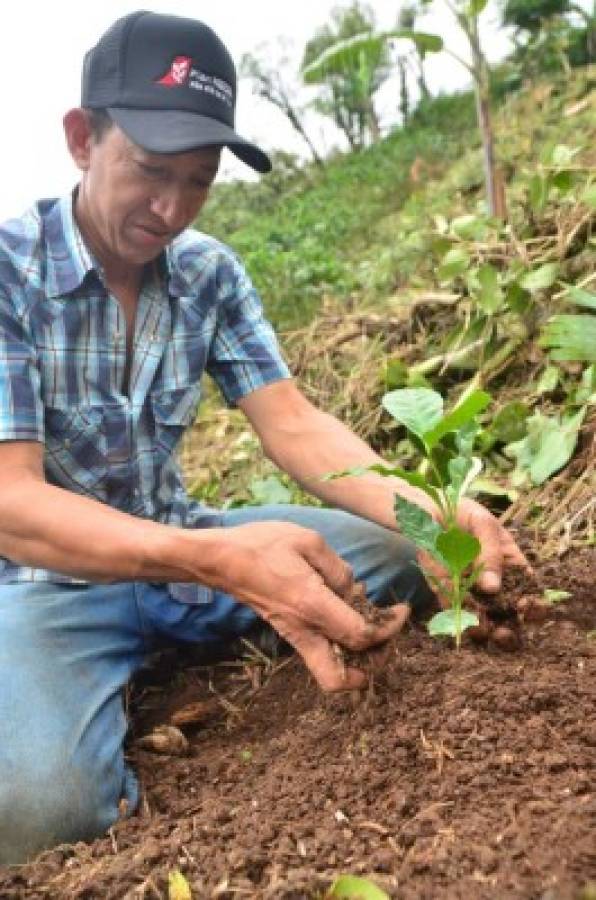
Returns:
point(78, 137)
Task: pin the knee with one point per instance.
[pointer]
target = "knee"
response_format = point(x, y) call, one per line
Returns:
point(43, 806)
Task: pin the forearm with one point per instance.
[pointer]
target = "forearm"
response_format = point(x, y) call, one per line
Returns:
point(320, 445)
point(48, 527)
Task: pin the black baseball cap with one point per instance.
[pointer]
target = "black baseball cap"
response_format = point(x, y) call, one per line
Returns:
point(169, 83)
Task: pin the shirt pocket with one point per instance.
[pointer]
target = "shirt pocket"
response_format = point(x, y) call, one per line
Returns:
point(76, 452)
point(172, 412)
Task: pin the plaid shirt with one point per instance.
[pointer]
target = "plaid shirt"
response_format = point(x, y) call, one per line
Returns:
point(63, 359)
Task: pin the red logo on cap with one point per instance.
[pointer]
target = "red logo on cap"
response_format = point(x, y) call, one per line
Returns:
point(178, 73)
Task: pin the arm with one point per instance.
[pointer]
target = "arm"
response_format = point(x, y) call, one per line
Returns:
point(308, 444)
point(287, 574)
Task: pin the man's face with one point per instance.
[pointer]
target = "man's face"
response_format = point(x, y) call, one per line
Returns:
point(132, 203)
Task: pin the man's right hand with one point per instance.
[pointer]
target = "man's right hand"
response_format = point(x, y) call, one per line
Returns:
point(292, 578)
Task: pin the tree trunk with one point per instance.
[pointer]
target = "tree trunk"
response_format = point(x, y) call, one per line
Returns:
point(404, 100)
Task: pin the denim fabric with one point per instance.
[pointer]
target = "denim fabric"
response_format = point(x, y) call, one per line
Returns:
point(67, 652)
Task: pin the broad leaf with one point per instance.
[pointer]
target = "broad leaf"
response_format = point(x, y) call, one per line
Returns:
point(458, 547)
point(547, 382)
point(419, 409)
point(475, 7)
point(462, 472)
point(549, 445)
point(178, 886)
point(589, 196)
point(470, 228)
point(538, 190)
point(570, 337)
point(269, 490)
point(350, 887)
point(460, 415)
point(446, 622)
point(580, 297)
point(541, 278)
point(418, 526)
point(490, 296)
point(454, 263)
point(509, 424)
point(562, 155)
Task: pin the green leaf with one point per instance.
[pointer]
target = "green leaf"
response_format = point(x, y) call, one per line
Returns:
point(454, 263)
point(419, 409)
point(562, 155)
point(178, 886)
point(548, 446)
point(547, 382)
point(418, 526)
point(570, 337)
point(446, 622)
point(395, 374)
point(563, 181)
point(580, 297)
point(350, 887)
point(475, 7)
point(538, 190)
point(269, 490)
point(517, 299)
point(470, 228)
point(458, 547)
point(551, 595)
point(541, 278)
point(491, 296)
point(509, 424)
point(460, 415)
point(589, 196)
point(462, 472)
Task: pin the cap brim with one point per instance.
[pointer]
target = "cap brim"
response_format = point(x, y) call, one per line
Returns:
point(177, 131)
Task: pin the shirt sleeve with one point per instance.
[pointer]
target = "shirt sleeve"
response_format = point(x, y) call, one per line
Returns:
point(244, 353)
point(21, 409)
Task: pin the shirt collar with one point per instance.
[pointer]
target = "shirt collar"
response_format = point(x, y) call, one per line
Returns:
point(68, 258)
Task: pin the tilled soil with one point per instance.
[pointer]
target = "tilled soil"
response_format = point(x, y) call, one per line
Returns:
point(465, 775)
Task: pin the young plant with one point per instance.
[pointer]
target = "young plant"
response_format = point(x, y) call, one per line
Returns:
point(446, 440)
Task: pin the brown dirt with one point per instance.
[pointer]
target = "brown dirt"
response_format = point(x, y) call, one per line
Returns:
point(462, 776)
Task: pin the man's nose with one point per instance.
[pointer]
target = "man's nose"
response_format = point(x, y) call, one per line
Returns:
point(172, 208)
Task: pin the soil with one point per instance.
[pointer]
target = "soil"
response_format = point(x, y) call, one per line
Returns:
point(462, 775)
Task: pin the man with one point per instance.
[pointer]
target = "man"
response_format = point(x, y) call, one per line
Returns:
point(110, 310)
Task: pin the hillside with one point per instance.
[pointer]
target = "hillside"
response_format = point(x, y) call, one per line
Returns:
point(382, 271)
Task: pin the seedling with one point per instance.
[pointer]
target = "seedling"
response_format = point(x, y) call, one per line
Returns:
point(446, 441)
point(552, 595)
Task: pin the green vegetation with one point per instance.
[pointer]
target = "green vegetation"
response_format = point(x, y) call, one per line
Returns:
point(299, 236)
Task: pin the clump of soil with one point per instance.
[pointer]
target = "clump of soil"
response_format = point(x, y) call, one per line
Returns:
point(466, 774)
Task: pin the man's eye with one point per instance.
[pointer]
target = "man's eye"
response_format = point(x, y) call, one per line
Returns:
point(151, 171)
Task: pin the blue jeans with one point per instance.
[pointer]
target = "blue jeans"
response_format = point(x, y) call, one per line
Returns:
point(67, 652)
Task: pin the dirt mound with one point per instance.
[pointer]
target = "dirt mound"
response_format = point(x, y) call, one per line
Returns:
point(462, 775)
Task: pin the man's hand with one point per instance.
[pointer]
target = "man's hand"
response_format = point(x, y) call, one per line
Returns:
point(498, 550)
point(296, 582)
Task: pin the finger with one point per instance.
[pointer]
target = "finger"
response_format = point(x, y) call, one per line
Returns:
point(513, 555)
point(335, 572)
point(326, 666)
point(490, 534)
point(342, 624)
